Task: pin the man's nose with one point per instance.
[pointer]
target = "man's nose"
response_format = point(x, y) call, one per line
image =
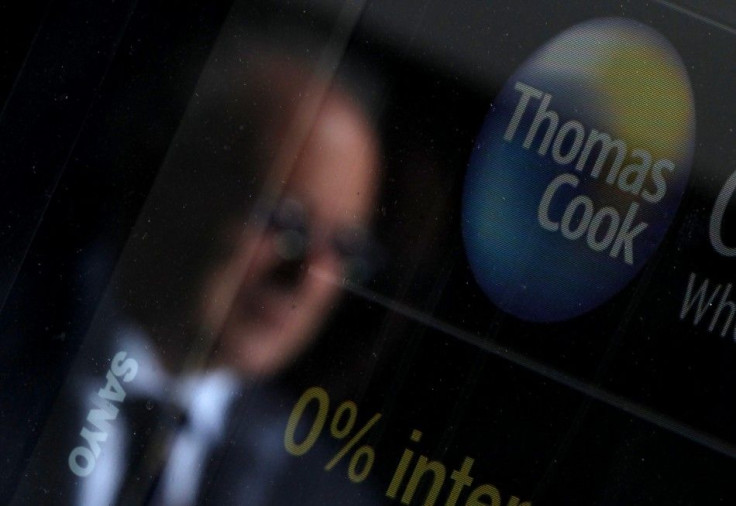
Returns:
point(291, 250)
point(289, 272)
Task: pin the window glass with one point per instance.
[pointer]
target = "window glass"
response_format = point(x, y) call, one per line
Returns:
point(370, 252)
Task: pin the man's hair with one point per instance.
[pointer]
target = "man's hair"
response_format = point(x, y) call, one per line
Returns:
point(201, 201)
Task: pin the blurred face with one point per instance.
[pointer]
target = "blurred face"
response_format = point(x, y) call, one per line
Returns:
point(268, 300)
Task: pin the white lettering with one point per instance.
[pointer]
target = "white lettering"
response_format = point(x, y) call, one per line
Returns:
point(527, 92)
point(578, 131)
point(86, 465)
point(593, 150)
point(602, 227)
point(82, 459)
point(127, 368)
point(625, 238)
point(716, 218)
point(543, 212)
point(689, 301)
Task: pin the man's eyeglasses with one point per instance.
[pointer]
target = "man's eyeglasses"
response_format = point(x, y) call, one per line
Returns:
point(295, 235)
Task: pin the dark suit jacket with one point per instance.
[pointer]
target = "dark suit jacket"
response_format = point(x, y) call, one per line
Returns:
point(249, 465)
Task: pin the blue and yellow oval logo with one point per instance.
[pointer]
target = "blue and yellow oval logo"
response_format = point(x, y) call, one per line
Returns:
point(578, 170)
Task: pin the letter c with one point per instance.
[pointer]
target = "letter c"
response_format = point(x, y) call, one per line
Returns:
point(543, 212)
point(716, 217)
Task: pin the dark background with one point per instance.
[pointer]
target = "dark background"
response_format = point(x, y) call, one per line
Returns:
point(92, 95)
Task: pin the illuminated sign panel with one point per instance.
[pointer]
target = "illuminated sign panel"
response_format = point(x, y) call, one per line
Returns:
point(579, 169)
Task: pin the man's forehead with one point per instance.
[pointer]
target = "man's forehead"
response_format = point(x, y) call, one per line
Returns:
point(336, 174)
point(332, 197)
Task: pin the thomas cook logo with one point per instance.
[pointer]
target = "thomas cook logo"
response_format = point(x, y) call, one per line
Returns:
point(578, 170)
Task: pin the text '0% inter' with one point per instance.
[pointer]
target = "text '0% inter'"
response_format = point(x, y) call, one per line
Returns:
point(341, 424)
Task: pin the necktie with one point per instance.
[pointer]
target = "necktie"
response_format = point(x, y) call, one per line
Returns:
point(206, 400)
